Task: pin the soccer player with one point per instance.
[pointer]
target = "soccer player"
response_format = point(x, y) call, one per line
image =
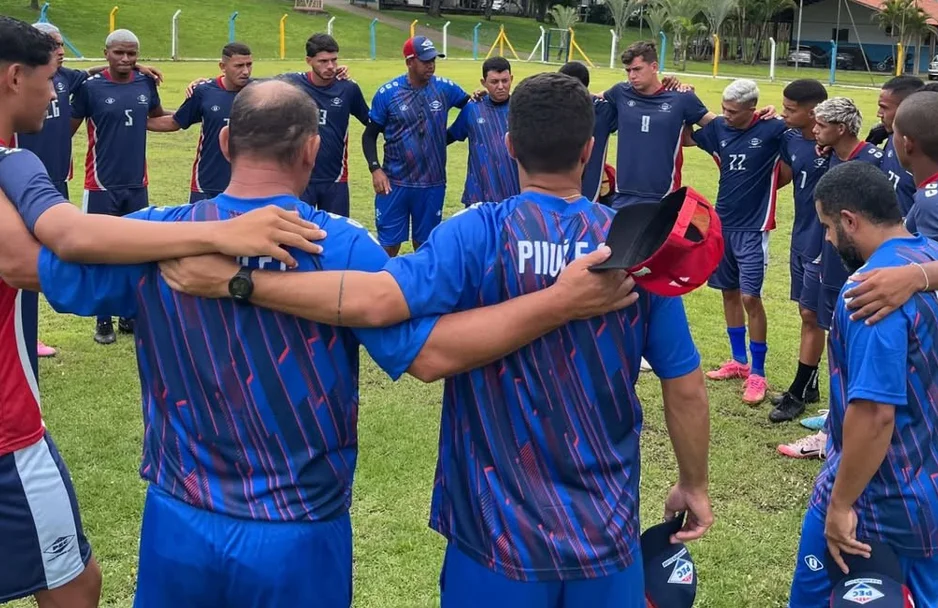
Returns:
point(40, 524)
point(890, 96)
point(838, 122)
point(210, 105)
point(747, 151)
point(492, 174)
point(804, 166)
point(537, 483)
point(411, 111)
point(338, 101)
point(117, 104)
point(250, 470)
point(877, 484)
point(651, 121)
point(915, 133)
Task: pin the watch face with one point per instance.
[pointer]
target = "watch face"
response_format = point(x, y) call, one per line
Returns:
point(240, 287)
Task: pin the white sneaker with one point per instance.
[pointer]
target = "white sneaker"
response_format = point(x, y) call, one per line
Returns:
point(646, 366)
point(812, 446)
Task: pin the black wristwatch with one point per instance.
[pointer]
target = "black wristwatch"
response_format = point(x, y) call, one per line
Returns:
point(374, 166)
point(241, 285)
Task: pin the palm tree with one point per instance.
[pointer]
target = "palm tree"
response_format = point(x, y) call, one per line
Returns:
point(682, 23)
point(656, 15)
point(621, 11)
point(905, 21)
point(717, 11)
point(564, 16)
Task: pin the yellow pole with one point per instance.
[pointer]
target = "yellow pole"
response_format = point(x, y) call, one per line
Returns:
point(283, 37)
point(716, 55)
point(900, 60)
point(113, 18)
point(570, 46)
point(413, 27)
point(501, 41)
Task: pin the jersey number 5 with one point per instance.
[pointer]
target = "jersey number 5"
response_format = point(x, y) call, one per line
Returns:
point(130, 118)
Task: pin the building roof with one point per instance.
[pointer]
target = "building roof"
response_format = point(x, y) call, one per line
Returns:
point(929, 6)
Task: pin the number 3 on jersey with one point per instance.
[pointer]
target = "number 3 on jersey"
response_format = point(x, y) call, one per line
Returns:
point(130, 118)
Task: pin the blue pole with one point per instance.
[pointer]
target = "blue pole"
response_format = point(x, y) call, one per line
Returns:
point(475, 41)
point(231, 26)
point(72, 48)
point(664, 51)
point(44, 13)
point(833, 61)
point(374, 39)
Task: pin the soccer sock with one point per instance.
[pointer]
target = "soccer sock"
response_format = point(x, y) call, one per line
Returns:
point(758, 350)
point(738, 343)
point(804, 378)
point(813, 384)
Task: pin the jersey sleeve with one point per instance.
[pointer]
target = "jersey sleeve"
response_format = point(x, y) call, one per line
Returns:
point(379, 106)
point(359, 105)
point(154, 95)
point(75, 78)
point(669, 347)
point(613, 94)
point(783, 153)
point(694, 109)
point(456, 97)
point(611, 115)
point(706, 138)
point(459, 130)
point(81, 101)
point(24, 180)
point(89, 289)
point(190, 112)
point(876, 365)
point(923, 217)
point(446, 273)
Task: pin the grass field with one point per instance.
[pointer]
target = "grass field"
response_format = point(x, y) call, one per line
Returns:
point(92, 406)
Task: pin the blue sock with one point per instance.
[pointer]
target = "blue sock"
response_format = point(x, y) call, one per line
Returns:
point(758, 350)
point(738, 343)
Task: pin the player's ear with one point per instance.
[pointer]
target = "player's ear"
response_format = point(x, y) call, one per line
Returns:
point(311, 149)
point(511, 148)
point(223, 136)
point(587, 151)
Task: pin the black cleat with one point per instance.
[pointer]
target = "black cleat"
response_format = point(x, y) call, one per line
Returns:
point(104, 332)
point(125, 326)
point(789, 409)
point(812, 395)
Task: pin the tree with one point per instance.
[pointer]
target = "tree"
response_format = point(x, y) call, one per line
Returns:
point(621, 10)
point(717, 12)
point(564, 17)
point(436, 8)
point(681, 22)
point(34, 4)
point(656, 15)
point(905, 21)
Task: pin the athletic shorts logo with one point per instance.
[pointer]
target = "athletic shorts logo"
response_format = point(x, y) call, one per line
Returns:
point(683, 573)
point(813, 563)
point(60, 546)
point(863, 593)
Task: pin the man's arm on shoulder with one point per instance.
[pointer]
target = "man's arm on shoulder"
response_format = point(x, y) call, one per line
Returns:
point(163, 124)
point(459, 130)
point(89, 289)
point(19, 251)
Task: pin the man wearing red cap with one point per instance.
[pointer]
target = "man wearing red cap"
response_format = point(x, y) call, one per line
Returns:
point(411, 111)
point(537, 484)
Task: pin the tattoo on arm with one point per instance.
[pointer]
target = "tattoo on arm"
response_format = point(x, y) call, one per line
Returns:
point(339, 304)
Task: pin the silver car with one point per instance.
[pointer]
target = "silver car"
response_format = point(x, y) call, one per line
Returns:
point(933, 69)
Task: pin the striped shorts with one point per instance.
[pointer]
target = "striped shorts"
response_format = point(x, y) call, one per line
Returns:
point(42, 545)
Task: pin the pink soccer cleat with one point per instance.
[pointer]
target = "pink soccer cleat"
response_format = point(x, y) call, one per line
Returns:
point(754, 389)
point(812, 446)
point(730, 370)
point(44, 351)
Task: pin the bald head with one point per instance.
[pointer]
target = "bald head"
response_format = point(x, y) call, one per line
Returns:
point(915, 120)
point(273, 121)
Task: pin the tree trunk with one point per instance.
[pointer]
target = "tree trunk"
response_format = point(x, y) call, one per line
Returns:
point(34, 4)
point(435, 9)
point(540, 11)
point(488, 9)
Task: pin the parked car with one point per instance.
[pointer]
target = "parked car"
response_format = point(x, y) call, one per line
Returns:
point(933, 69)
point(850, 58)
point(806, 55)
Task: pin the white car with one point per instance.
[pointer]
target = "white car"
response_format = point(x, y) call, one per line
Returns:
point(933, 69)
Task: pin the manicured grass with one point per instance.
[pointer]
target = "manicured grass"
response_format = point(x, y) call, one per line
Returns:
point(92, 406)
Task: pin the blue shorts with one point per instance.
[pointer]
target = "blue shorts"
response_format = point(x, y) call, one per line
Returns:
point(465, 583)
point(817, 297)
point(405, 205)
point(745, 260)
point(811, 587)
point(118, 201)
point(205, 195)
point(796, 264)
point(620, 200)
point(42, 544)
point(331, 197)
point(833, 272)
point(196, 558)
point(62, 187)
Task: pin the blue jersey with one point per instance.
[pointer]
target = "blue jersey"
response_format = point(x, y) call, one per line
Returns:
point(807, 168)
point(748, 161)
point(901, 179)
point(53, 145)
point(651, 130)
point(492, 174)
point(27, 185)
point(892, 363)
point(116, 115)
point(923, 216)
point(538, 470)
point(247, 412)
point(337, 102)
point(833, 273)
point(605, 125)
point(414, 124)
point(210, 104)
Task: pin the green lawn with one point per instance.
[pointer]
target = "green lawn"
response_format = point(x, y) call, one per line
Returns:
point(91, 403)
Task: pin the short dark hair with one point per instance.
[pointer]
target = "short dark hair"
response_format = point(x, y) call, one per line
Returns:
point(805, 91)
point(235, 48)
point(495, 64)
point(931, 87)
point(645, 49)
point(22, 43)
point(903, 86)
point(319, 43)
point(271, 125)
point(577, 70)
point(550, 119)
point(917, 118)
point(861, 188)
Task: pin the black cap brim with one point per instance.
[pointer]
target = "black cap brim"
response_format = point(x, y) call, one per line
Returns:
point(639, 230)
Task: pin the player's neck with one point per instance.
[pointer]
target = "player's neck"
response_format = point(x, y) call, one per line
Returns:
point(845, 147)
point(895, 231)
point(258, 180)
point(120, 78)
point(6, 130)
point(228, 85)
point(562, 185)
point(922, 170)
point(317, 81)
point(808, 132)
point(651, 89)
point(414, 83)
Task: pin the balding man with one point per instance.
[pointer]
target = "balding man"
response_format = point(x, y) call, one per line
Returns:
point(250, 415)
point(116, 104)
point(915, 139)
